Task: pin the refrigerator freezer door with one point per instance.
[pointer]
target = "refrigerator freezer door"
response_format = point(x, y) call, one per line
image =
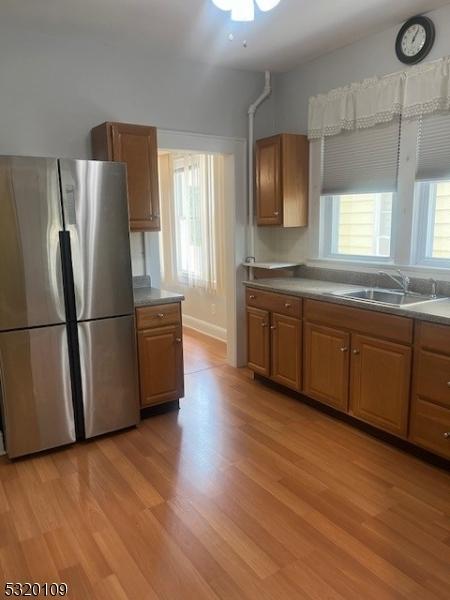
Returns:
point(94, 198)
point(35, 394)
point(30, 220)
point(108, 374)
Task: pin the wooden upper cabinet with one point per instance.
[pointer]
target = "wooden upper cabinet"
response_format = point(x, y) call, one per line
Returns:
point(326, 372)
point(136, 146)
point(286, 344)
point(258, 340)
point(282, 174)
point(380, 383)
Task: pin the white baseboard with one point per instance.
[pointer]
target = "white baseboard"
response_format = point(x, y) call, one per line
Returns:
point(214, 331)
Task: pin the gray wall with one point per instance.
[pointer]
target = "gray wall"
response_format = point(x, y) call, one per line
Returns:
point(374, 55)
point(54, 88)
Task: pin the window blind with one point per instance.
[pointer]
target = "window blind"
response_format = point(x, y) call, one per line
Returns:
point(433, 159)
point(362, 161)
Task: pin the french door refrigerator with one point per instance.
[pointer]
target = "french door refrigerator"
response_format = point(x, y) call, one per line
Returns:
point(68, 368)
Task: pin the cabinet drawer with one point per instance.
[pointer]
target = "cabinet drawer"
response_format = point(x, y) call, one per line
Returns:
point(433, 377)
point(430, 425)
point(380, 325)
point(155, 316)
point(282, 304)
point(433, 337)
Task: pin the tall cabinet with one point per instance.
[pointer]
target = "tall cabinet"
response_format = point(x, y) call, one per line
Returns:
point(136, 146)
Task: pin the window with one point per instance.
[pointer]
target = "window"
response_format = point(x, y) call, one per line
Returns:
point(434, 222)
point(192, 219)
point(360, 225)
point(359, 185)
point(433, 191)
point(187, 188)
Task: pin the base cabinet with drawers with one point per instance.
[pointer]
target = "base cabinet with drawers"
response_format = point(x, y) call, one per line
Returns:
point(387, 370)
point(274, 333)
point(430, 404)
point(160, 352)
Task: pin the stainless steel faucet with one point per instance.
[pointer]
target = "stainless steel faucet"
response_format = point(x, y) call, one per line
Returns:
point(402, 280)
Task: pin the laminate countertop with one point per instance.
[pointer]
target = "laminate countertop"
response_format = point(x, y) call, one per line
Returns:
point(437, 311)
point(150, 296)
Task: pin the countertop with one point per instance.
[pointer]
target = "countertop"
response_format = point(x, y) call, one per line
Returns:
point(433, 311)
point(150, 296)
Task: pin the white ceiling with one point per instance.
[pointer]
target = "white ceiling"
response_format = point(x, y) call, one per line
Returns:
point(294, 32)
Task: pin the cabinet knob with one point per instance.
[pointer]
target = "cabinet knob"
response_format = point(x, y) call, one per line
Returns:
point(356, 351)
point(263, 324)
point(276, 213)
point(287, 305)
point(343, 349)
point(178, 340)
point(272, 327)
point(160, 315)
point(252, 297)
point(448, 383)
point(447, 435)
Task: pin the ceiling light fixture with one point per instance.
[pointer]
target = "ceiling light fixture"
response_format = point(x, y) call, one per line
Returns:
point(244, 10)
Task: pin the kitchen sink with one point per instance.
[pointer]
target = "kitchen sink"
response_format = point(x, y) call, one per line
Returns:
point(388, 297)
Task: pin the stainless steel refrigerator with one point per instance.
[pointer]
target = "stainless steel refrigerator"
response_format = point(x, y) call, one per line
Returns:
point(68, 368)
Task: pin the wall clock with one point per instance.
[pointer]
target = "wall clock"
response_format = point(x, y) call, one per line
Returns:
point(415, 39)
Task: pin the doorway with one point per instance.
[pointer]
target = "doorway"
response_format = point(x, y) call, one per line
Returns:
point(232, 153)
point(192, 239)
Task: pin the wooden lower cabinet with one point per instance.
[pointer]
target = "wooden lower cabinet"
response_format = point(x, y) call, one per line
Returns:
point(326, 353)
point(258, 340)
point(380, 383)
point(430, 406)
point(430, 426)
point(160, 364)
point(286, 344)
point(357, 361)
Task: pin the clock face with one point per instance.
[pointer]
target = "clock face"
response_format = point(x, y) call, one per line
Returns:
point(414, 40)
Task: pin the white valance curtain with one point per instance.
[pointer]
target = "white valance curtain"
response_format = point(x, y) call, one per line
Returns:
point(421, 90)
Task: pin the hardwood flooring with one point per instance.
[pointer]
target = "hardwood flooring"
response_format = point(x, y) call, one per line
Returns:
point(243, 494)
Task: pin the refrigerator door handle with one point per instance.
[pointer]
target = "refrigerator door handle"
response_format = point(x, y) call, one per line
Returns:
point(67, 272)
point(72, 333)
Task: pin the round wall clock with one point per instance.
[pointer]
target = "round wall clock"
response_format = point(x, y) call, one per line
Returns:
point(415, 39)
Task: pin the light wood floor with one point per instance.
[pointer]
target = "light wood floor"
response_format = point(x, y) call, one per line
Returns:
point(243, 494)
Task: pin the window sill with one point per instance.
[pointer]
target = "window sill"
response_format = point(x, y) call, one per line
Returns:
point(420, 271)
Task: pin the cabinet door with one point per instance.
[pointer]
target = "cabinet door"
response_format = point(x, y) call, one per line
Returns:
point(380, 383)
point(430, 426)
point(136, 146)
point(269, 205)
point(160, 365)
point(258, 341)
point(326, 373)
point(286, 342)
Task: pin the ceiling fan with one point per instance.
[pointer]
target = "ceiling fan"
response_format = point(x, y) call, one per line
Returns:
point(244, 10)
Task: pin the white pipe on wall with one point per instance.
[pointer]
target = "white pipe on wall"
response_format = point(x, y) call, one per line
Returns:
point(251, 124)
